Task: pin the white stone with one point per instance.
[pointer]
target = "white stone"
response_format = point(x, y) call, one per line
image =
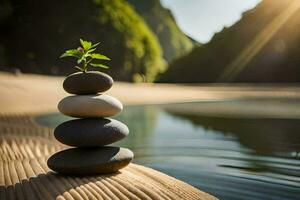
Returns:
point(90, 106)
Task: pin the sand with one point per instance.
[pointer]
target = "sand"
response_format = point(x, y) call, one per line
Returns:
point(32, 94)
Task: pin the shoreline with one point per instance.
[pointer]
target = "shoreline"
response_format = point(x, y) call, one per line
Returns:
point(36, 94)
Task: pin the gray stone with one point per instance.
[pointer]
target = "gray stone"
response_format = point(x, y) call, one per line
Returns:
point(88, 161)
point(90, 132)
point(91, 82)
point(90, 106)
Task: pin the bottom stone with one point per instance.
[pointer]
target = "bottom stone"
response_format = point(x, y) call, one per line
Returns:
point(86, 161)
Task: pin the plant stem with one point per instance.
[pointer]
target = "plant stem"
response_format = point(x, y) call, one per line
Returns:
point(84, 67)
point(86, 64)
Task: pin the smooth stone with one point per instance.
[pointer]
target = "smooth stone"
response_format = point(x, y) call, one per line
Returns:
point(87, 161)
point(90, 106)
point(90, 132)
point(91, 82)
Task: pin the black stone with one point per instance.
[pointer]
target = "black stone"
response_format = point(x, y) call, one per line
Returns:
point(88, 161)
point(90, 132)
point(91, 82)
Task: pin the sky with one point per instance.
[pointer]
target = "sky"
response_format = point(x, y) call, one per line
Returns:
point(201, 19)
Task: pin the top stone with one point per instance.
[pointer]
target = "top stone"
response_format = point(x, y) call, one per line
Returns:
point(90, 82)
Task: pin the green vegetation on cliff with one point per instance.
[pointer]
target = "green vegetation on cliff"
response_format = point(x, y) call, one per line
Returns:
point(38, 32)
point(161, 21)
point(264, 46)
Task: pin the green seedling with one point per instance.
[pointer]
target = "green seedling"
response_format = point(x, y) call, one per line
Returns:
point(86, 56)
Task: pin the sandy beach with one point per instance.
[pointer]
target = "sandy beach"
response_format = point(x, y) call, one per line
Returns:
point(32, 94)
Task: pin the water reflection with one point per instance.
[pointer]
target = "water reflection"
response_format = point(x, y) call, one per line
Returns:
point(141, 122)
point(231, 158)
point(264, 136)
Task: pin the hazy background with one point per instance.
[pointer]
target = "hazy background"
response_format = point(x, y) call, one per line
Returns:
point(174, 41)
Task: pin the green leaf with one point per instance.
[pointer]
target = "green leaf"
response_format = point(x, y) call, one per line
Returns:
point(84, 57)
point(99, 65)
point(85, 44)
point(81, 59)
point(72, 52)
point(94, 45)
point(99, 56)
point(91, 50)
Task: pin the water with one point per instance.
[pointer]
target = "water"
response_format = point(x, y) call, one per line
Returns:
point(230, 155)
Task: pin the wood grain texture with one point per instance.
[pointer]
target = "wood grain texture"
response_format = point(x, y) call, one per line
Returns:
point(25, 148)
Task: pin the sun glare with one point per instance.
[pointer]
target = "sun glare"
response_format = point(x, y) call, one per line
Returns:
point(256, 45)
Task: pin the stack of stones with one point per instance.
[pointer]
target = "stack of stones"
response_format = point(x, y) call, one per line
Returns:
point(91, 132)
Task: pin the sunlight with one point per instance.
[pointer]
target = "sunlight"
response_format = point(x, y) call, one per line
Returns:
point(134, 109)
point(254, 47)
